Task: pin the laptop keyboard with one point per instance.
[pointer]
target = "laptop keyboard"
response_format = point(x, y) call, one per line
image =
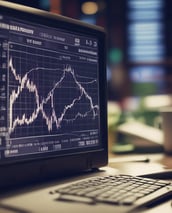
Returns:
point(119, 190)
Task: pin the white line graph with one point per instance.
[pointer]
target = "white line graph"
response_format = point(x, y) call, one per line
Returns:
point(47, 97)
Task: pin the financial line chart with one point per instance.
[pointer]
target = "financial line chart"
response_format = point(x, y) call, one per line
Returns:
point(49, 96)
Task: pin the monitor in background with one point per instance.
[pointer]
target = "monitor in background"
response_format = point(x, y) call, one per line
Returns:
point(146, 48)
point(143, 55)
point(52, 95)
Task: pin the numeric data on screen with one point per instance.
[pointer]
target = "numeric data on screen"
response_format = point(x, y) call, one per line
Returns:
point(49, 90)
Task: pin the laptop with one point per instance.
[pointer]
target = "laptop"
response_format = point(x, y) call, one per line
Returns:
point(53, 115)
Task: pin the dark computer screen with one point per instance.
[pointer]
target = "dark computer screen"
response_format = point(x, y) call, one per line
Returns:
point(49, 89)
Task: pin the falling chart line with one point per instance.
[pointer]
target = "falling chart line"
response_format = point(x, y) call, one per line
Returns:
point(25, 83)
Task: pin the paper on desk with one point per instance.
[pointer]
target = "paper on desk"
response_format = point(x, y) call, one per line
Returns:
point(143, 131)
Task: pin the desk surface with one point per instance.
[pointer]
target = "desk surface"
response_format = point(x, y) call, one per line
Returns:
point(140, 164)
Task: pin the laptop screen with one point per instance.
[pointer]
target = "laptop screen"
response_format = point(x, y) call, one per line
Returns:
point(52, 94)
point(49, 86)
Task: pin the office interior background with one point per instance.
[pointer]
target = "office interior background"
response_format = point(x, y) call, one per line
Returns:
point(139, 47)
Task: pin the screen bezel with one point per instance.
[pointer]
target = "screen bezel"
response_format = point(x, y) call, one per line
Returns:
point(54, 165)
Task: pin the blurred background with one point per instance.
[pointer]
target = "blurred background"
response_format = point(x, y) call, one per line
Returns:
point(139, 53)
